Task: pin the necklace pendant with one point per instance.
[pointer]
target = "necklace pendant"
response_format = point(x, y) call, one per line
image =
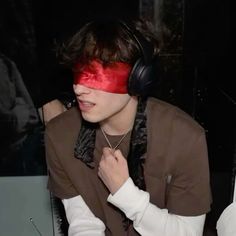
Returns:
point(109, 143)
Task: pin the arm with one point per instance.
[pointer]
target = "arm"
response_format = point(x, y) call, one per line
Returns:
point(23, 103)
point(148, 219)
point(135, 204)
point(16, 106)
point(81, 220)
point(50, 110)
point(226, 223)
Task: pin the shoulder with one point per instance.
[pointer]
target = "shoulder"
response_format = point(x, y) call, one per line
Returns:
point(170, 116)
point(6, 64)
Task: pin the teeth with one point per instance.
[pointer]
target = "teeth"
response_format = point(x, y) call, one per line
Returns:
point(87, 103)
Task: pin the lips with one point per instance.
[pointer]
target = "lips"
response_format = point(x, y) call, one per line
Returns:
point(85, 105)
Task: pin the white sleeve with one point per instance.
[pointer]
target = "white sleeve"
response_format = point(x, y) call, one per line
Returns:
point(150, 220)
point(226, 223)
point(82, 222)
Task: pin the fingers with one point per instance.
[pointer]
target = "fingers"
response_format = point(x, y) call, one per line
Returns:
point(111, 153)
point(107, 154)
point(113, 169)
point(118, 154)
point(107, 151)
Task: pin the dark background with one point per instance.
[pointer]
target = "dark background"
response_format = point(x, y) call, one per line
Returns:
point(198, 75)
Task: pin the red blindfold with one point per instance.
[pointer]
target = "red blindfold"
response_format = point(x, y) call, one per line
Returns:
point(112, 78)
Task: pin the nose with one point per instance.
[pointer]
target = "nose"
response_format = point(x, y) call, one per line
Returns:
point(81, 89)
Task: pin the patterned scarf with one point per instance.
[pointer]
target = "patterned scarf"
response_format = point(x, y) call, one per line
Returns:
point(138, 146)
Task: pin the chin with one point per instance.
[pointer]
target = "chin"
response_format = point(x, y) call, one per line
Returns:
point(90, 118)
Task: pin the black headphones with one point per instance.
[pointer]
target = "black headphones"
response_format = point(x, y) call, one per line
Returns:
point(144, 72)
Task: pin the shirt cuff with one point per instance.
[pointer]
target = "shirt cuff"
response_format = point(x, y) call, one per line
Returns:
point(130, 199)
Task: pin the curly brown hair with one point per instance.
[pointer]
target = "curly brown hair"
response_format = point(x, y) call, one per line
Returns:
point(108, 41)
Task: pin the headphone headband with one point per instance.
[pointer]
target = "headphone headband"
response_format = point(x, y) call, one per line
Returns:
point(145, 47)
point(143, 74)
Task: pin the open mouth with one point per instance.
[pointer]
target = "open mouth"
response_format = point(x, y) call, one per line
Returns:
point(85, 105)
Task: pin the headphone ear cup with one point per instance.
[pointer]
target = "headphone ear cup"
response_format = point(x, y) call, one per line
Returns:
point(141, 78)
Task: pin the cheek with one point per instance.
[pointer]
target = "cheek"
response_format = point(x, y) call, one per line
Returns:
point(117, 102)
point(111, 102)
point(104, 105)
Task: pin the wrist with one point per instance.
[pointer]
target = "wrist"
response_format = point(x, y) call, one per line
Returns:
point(128, 198)
point(116, 188)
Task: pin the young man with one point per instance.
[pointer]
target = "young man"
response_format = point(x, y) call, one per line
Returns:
point(125, 164)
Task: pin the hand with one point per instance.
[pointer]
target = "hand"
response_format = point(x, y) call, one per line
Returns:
point(113, 169)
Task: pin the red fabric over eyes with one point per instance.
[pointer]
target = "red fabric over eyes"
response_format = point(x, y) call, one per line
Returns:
point(112, 78)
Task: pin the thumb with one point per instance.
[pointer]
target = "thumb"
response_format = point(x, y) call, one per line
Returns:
point(107, 151)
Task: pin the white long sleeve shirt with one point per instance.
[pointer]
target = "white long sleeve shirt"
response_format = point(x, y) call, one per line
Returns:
point(148, 219)
point(226, 223)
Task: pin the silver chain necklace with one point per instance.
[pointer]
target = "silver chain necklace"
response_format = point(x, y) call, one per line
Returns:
point(109, 143)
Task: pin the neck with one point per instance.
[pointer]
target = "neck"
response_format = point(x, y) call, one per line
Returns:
point(123, 121)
